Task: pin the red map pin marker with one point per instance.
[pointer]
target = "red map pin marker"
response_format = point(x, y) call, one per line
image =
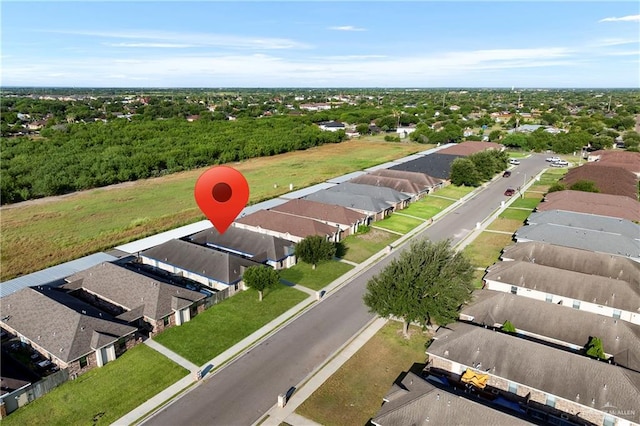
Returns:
point(221, 193)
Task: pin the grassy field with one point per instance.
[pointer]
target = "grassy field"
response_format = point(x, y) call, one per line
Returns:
point(50, 231)
point(353, 394)
point(526, 202)
point(324, 274)
point(505, 225)
point(453, 191)
point(398, 223)
point(486, 248)
point(362, 246)
point(103, 395)
point(225, 324)
point(515, 214)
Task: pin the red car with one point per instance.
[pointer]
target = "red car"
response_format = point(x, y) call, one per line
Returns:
point(509, 192)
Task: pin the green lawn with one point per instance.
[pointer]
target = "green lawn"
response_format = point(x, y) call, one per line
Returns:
point(486, 248)
point(427, 207)
point(515, 214)
point(505, 225)
point(324, 274)
point(398, 223)
point(527, 203)
point(225, 324)
point(353, 394)
point(551, 176)
point(103, 395)
point(362, 246)
point(453, 191)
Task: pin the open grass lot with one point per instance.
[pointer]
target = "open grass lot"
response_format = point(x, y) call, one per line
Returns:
point(362, 246)
point(486, 248)
point(515, 214)
point(225, 324)
point(527, 203)
point(551, 176)
point(353, 394)
point(427, 207)
point(505, 225)
point(103, 395)
point(325, 273)
point(454, 191)
point(42, 233)
point(398, 223)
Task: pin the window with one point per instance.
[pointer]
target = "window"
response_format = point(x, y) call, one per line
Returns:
point(617, 313)
point(83, 362)
point(609, 421)
point(513, 388)
point(551, 401)
point(549, 298)
point(514, 289)
point(165, 321)
point(576, 304)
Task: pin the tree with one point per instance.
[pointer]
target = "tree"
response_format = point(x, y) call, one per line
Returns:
point(594, 348)
point(463, 172)
point(261, 278)
point(508, 327)
point(426, 284)
point(584, 186)
point(315, 249)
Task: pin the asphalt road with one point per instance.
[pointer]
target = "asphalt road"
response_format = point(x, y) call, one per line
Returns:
point(243, 391)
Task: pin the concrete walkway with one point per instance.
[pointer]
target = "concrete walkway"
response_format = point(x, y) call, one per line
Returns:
point(172, 355)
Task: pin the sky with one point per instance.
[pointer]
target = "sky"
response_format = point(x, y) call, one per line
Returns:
point(414, 44)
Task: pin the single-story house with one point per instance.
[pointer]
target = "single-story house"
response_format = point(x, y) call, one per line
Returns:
point(331, 126)
point(437, 165)
point(626, 159)
point(424, 181)
point(471, 147)
point(586, 239)
point(397, 184)
point(608, 179)
point(374, 208)
point(597, 392)
point(606, 296)
point(396, 198)
point(586, 221)
point(538, 320)
point(259, 247)
point(218, 270)
point(414, 401)
point(572, 259)
point(347, 219)
point(66, 331)
point(149, 304)
point(289, 227)
point(592, 203)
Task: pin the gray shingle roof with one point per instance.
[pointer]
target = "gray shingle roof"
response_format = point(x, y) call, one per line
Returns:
point(619, 338)
point(602, 242)
point(572, 259)
point(260, 247)
point(397, 184)
point(611, 292)
point(560, 373)
point(415, 401)
point(358, 202)
point(62, 325)
point(217, 265)
point(586, 221)
point(131, 290)
point(380, 192)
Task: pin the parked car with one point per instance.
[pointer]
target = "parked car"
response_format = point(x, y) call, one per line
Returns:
point(562, 162)
point(514, 161)
point(509, 192)
point(552, 159)
point(506, 173)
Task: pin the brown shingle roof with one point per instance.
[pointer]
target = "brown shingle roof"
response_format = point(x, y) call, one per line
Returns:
point(285, 223)
point(415, 177)
point(320, 211)
point(470, 147)
point(626, 159)
point(593, 203)
point(608, 179)
point(132, 290)
point(402, 185)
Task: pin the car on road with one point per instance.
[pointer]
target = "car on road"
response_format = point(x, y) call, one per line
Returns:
point(514, 161)
point(509, 192)
point(506, 173)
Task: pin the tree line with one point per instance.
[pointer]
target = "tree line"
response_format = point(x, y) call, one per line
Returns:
point(80, 156)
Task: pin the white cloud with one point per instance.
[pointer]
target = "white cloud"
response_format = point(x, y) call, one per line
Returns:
point(152, 45)
point(628, 18)
point(615, 42)
point(347, 28)
point(200, 39)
